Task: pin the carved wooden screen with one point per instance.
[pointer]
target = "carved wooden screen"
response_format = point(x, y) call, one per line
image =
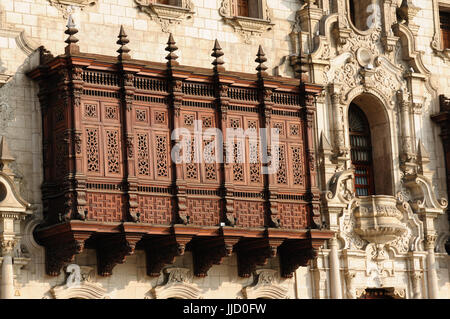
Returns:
point(112, 182)
point(445, 28)
point(361, 151)
point(122, 125)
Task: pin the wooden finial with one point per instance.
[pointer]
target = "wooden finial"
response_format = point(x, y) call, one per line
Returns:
point(260, 59)
point(171, 48)
point(217, 54)
point(123, 41)
point(71, 41)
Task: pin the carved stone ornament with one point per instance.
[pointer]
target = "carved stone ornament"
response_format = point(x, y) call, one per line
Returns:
point(266, 286)
point(66, 6)
point(167, 15)
point(436, 42)
point(248, 27)
point(397, 227)
point(79, 285)
point(178, 285)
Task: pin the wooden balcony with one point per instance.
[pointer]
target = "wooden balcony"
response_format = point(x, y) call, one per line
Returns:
point(110, 183)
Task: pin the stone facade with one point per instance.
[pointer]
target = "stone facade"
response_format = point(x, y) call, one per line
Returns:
point(395, 71)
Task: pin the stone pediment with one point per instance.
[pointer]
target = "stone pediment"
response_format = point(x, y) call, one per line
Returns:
point(167, 15)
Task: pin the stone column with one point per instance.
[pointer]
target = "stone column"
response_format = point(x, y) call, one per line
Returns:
point(416, 276)
point(407, 156)
point(7, 281)
point(433, 289)
point(349, 276)
point(335, 278)
point(338, 116)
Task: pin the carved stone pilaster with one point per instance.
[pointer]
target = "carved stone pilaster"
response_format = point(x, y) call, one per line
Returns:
point(350, 290)
point(416, 277)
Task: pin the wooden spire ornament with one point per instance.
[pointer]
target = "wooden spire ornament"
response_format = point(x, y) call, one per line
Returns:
point(123, 41)
point(260, 59)
point(217, 54)
point(171, 48)
point(71, 41)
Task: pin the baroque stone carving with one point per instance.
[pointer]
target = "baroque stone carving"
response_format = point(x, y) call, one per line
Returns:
point(79, 284)
point(178, 285)
point(246, 26)
point(66, 7)
point(167, 15)
point(266, 286)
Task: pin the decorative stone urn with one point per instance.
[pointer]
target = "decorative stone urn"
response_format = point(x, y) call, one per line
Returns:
point(378, 220)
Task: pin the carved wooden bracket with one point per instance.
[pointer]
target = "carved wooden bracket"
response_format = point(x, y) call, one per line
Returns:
point(208, 252)
point(161, 251)
point(112, 250)
point(293, 254)
point(255, 252)
point(62, 250)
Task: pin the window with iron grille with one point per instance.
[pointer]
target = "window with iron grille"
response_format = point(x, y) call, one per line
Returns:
point(445, 28)
point(361, 151)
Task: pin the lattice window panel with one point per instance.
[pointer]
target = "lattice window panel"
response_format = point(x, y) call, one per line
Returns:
point(143, 154)
point(297, 165)
point(162, 169)
point(209, 160)
point(238, 167)
point(255, 165)
point(191, 171)
point(113, 153)
point(92, 150)
point(189, 119)
point(280, 127)
point(294, 129)
point(112, 112)
point(281, 173)
point(207, 121)
point(235, 123)
point(252, 125)
point(160, 117)
point(91, 110)
point(141, 115)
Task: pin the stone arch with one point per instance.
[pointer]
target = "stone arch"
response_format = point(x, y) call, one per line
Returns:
point(178, 285)
point(359, 15)
point(266, 287)
point(177, 291)
point(86, 290)
point(378, 118)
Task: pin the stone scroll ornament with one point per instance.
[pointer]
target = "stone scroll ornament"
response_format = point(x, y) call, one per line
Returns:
point(168, 16)
point(67, 7)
